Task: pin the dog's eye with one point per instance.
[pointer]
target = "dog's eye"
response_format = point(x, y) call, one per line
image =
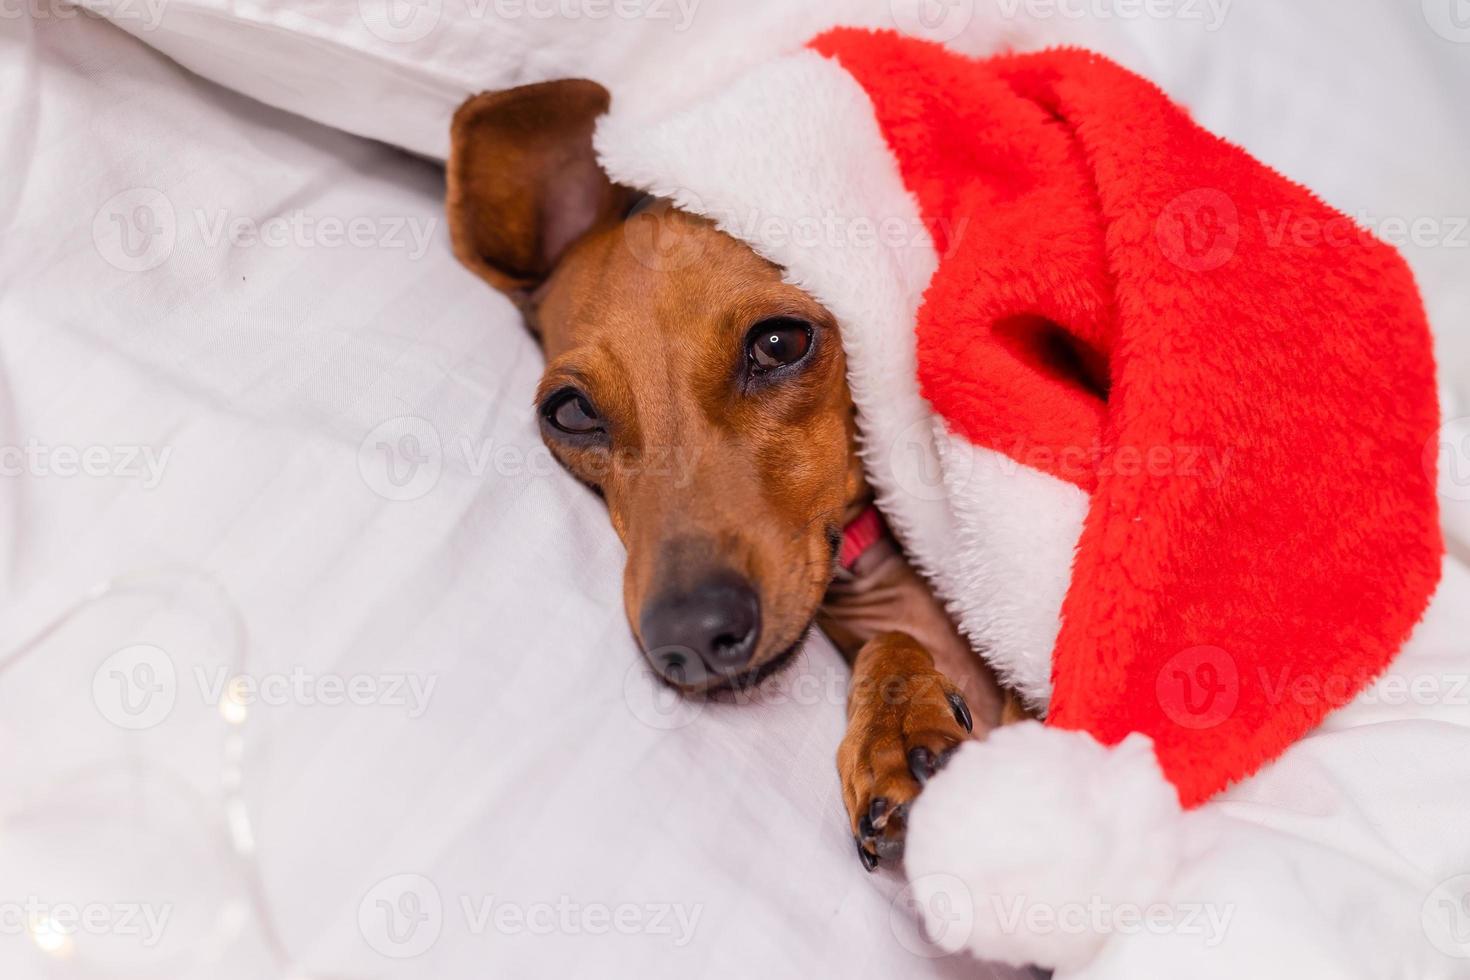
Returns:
point(571, 412)
point(778, 342)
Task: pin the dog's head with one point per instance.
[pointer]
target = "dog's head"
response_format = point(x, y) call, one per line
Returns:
point(704, 398)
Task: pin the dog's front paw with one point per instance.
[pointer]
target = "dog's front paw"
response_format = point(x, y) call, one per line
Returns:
point(905, 719)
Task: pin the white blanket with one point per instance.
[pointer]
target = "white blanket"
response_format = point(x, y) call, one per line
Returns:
point(206, 369)
point(447, 760)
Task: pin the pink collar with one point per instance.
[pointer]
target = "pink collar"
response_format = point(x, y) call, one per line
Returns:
point(861, 534)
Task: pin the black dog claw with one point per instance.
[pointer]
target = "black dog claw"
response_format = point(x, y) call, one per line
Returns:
point(921, 764)
point(870, 861)
point(961, 710)
point(890, 849)
point(876, 812)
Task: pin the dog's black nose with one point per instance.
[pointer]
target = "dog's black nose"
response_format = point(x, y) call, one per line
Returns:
point(718, 621)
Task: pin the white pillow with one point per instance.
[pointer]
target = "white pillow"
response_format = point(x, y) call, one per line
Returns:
point(1284, 80)
point(395, 70)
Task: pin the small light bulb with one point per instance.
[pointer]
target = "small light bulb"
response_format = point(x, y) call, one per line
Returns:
point(232, 705)
point(49, 937)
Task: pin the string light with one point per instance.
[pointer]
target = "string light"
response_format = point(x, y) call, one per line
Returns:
point(49, 937)
point(235, 830)
point(232, 705)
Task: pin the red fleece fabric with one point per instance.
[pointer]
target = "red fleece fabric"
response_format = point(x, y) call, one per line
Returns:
point(1241, 378)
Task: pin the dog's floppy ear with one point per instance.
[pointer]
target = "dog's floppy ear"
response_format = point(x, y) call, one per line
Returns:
point(524, 182)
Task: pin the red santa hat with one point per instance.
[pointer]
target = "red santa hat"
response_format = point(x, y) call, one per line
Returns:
point(1149, 416)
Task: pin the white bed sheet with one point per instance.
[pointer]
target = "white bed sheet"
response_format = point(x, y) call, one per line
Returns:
point(541, 776)
point(568, 823)
point(1364, 104)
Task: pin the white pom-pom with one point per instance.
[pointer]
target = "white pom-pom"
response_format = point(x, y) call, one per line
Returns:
point(1050, 835)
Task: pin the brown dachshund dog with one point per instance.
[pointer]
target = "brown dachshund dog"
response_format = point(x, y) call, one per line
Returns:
point(731, 563)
